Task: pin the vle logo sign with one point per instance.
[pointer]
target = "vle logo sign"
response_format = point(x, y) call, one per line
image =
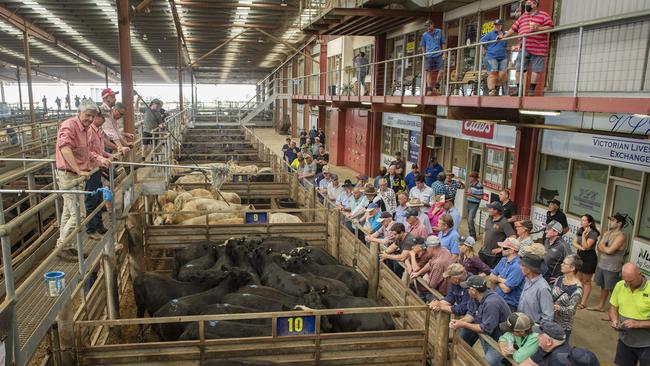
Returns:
point(478, 129)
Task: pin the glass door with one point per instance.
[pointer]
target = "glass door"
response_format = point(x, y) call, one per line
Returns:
point(475, 161)
point(624, 199)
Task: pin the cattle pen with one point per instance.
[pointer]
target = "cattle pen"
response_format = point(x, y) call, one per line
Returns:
point(92, 334)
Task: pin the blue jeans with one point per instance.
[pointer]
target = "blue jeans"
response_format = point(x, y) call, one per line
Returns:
point(92, 201)
point(492, 355)
point(361, 81)
point(472, 208)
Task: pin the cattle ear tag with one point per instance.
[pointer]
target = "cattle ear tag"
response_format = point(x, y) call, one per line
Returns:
point(213, 323)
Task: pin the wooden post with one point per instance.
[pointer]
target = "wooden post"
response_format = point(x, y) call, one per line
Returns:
point(373, 272)
point(441, 341)
point(337, 249)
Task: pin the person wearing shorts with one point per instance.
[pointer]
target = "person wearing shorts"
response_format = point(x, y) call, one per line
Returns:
point(612, 247)
point(432, 43)
point(495, 60)
point(536, 46)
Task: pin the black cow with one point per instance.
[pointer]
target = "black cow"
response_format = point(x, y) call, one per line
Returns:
point(239, 254)
point(356, 322)
point(215, 329)
point(171, 331)
point(199, 264)
point(318, 255)
point(274, 276)
point(347, 275)
point(266, 291)
point(153, 290)
point(282, 244)
point(191, 252)
point(330, 285)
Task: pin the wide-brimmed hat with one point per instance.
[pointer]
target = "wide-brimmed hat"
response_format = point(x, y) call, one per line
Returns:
point(414, 202)
point(510, 243)
point(347, 183)
point(454, 269)
point(532, 262)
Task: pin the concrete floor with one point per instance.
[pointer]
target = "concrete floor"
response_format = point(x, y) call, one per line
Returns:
point(589, 330)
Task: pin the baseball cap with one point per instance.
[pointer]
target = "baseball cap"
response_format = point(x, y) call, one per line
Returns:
point(496, 205)
point(517, 322)
point(108, 92)
point(362, 177)
point(326, 168)
point(467, 240)
point(371, 207)
point(511, 243)
point(454, 269)
point(414, 166)
point(385, 215)
point(579, 357)
point(411, 212)
point(432, 241)
point(555, 201)
point(476, 282)
point(156, 101)
point(334, 177)
point(498, 22)
point(551, 329)
point(554, 225)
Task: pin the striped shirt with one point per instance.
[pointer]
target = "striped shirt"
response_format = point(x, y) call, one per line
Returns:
point(538, 44)
point(475, 189)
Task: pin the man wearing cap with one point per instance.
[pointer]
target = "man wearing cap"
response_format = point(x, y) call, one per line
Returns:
point(553, 347)
point(519, 340)
point(611, 249)
point(362, 180)
point(497, 229)
point(298, 163)
point(438, 259)
point(387, 196)
point(536, 298)
point(409, 180)
point(371, 194)
point(422, 216)
point(556, 250)
point(491, 311)
point(112, 112)
point(507, 275)
point(431, 171)
point(554, 213)
point(495, 60)
point(421, 192)
point(532, 21)
point(432, 43)
point(315, 147)
point(334, 189)
point(629, 314)
point(343, 199)
point(474, 195)
point(321, 159)
point(324, 181)
point(73, 160)
point(414, 226)
point(399, 250)
point(152, 120)
point(398, 163)
point(579, 357)
point(385, 236)
point(471, 261)
point(308, 172)
point(452, 185)
point(457, 300)
point(371, 218)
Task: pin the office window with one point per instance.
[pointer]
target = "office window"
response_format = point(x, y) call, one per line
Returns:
point(588, 185)
point(494, 167)
point(551, 178)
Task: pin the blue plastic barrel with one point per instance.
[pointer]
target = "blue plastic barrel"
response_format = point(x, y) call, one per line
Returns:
point(54, 283)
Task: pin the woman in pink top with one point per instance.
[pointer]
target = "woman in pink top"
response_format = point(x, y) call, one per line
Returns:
point(435, 212)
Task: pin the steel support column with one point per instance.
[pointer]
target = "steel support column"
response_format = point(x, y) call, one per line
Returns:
point(20, 92)
point(106, 76)
point(192, 88)
point(68, 100)
point(125, 63)
point(179, 45)
point(2, 91)
point(30, 93)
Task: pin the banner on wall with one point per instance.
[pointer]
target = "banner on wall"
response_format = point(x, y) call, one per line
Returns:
point(612, 122)
point(403, 121)
point(479, 131)
point(538, 218)
point(608, 150)
point(414, 147)
point(640, 254)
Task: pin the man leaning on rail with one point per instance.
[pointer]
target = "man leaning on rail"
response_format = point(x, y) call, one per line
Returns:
point(73, 161)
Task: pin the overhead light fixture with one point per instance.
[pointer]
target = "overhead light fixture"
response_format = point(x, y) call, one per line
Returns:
point(283, 3)
point(539, 113)
point(409, 105)
point(366, 103)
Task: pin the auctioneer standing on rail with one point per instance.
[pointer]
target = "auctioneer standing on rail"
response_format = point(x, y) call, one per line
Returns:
point(73, 160)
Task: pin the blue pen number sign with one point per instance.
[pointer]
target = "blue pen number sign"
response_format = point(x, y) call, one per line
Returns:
point(256, 217)
point(296, 325)
point(239, 178)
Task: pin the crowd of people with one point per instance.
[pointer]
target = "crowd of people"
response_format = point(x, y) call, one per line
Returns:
point(523, 294)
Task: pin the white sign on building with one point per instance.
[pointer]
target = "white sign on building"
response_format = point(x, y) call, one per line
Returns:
point(640, 254)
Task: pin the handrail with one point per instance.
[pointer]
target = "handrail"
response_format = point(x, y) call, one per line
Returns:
point(580, 26)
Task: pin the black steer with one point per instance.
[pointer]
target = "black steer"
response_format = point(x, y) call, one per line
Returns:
point(318, 255)
point(356, 322)
point(199, 264)
point(348, 275)
point(274, 276)
point(191, 252)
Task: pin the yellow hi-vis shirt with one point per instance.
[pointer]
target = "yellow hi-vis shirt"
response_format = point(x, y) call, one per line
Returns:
point(632, 305)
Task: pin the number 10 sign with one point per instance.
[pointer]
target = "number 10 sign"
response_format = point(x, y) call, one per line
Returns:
point(296, 325)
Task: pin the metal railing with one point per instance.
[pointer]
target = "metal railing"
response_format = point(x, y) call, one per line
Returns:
point(390, 86)
point(21, 343)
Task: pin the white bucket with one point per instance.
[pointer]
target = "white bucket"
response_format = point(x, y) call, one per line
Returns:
point(54, 283)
